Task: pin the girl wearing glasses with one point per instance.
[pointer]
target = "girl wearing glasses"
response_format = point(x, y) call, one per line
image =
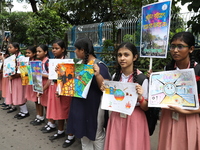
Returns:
point(179, 128)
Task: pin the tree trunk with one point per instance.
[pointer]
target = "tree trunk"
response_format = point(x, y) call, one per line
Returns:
point(33, 5)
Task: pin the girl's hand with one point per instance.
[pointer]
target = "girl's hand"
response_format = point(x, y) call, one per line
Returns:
point(103, 87)
point(56, 68)
point(96, 70)
point(139, 90)
point(39, 94)
point(57, 95)
point(178, 109)
point(149, 73)
point(10, 77)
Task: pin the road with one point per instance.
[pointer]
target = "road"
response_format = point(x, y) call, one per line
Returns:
point(21, 135)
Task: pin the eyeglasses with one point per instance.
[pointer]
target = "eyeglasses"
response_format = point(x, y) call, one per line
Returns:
point(179, 47)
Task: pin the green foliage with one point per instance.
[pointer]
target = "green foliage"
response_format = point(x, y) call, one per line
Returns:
point(193, 23)
point(16, 22)
point(46, 26)
point(108, 55)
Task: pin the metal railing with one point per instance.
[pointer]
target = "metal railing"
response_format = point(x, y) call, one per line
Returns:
point(98, 32)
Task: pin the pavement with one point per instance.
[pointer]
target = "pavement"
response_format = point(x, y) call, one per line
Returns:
point(21, 135)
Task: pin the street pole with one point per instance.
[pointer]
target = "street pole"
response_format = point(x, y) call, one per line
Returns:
point(2, 26)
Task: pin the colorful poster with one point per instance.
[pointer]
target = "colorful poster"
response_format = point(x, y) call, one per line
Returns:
point(74, 80)
point(36, 69)
point(83, 77)
point(52, 65)
point(30, 78)
point(119, 97)
point(65, 79)
point(24, 73)
point(177, 88)
point(155, 29)
point(9, 66)
point(1, 63)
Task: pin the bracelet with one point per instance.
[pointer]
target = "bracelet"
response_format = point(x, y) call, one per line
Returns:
point(141, 101)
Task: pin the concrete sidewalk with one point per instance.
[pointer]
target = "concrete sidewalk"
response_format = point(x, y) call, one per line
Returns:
point(21, 135)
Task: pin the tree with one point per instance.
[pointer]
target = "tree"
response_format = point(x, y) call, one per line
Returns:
point(17, 23)
point(46, 26)
point(194, 23)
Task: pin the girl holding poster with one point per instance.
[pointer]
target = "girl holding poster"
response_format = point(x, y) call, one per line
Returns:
point(129, 132)
point(5, 80)
point(30, 94)
point(41, 103)
point(57, 106)
point(16, 95)
point(86, 119)
point(179, 128)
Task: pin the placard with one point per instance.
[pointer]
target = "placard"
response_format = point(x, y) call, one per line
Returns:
point(176, 88)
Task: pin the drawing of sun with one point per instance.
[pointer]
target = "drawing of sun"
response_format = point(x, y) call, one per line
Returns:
point(119, 95)
point(175, 96)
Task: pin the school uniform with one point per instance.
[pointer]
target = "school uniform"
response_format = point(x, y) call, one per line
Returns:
point(16, 93)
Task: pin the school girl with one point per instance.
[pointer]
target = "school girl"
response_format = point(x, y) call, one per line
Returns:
point(179, 128)
point(16, 94)
point(30, 94)
point(5, 82)
point(42, 54)
point(129, 132)
point(85, 117)
point(57, 106)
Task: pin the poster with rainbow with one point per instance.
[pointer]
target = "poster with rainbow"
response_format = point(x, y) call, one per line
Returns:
point(119, 97)
point(176, 88)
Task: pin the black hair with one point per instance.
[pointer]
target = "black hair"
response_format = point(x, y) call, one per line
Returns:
point(15, 45)
point(33, 50)
point(7, 54)
point(187, 38)
point(61, 43)
point(134, 51)
point(44, 48)
point(85, 44)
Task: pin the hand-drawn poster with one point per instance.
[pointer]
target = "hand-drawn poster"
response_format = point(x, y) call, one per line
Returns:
point(36, 69)
point(52, 65)
point(74, 79)
point(119, 96)
point(30, 78)
point(83, 77)
point(155, 29)
point(65, 80)
point(1, 63)
point(24, 73)
point(176, 88)
point(9, 66)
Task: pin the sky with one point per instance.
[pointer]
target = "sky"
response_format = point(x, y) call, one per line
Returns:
point(21, 6)
point(27, 7)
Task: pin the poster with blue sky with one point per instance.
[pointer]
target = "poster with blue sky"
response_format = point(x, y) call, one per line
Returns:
point(155, 29)
point(36, 70)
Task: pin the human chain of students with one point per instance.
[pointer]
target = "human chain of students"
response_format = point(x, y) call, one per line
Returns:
point(99, 129)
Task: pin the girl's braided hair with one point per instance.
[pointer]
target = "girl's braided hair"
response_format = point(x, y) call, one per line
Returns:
point(134, 51)
point(85, 44)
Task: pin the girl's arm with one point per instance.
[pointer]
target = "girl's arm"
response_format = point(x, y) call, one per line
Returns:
point(183, 111)
point(17, 75)
point(47, 85)
point(141, 99)
point(45, 75)
point(143, 94)
point(98, 76)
